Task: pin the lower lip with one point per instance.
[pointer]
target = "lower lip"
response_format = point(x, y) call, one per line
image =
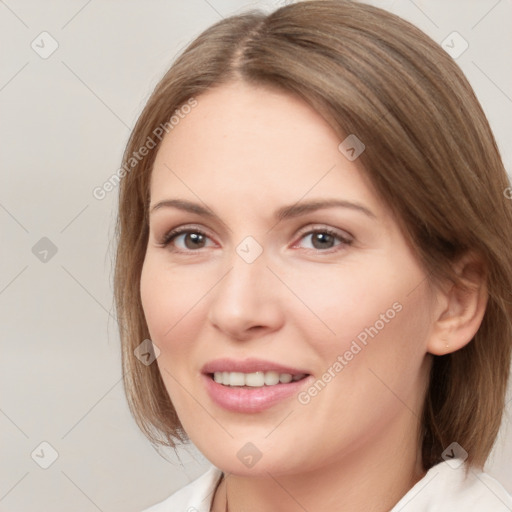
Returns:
point(247, 399)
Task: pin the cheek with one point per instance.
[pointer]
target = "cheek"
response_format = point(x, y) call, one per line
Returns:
point(376, 315)
point(171, 302)
point(374, 366)
point(346, 299)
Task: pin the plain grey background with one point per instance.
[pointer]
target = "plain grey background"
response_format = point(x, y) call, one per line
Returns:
point(66, 117)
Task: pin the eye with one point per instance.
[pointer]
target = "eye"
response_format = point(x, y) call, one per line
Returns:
point(188, 239)
point(185, 239)
point(324, 239)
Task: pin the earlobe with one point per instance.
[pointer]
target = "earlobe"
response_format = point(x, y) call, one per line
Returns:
point(461, 308)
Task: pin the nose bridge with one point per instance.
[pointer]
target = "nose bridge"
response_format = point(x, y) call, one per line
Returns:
point(248, 268)
point(245, 297)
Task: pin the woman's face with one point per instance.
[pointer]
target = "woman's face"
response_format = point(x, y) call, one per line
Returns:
point(266, 287)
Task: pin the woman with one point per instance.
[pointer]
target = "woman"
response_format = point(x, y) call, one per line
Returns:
point(314, 234)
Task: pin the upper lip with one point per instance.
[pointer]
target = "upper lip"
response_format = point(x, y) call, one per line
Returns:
point(249, 365)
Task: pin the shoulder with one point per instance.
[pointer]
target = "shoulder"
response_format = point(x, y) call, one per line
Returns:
point(451, 487)
point(194, 497)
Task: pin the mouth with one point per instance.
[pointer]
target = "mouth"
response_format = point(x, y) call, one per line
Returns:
point(251, 385)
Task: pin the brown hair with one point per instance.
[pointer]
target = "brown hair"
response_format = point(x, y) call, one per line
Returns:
point(430, 154)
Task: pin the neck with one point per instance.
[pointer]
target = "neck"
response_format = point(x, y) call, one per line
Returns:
point(372, 477)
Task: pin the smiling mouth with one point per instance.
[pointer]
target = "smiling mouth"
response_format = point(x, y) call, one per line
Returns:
point(255, 379)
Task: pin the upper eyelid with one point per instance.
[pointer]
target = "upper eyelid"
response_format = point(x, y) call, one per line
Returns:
point(319, 227)
point(304, 230)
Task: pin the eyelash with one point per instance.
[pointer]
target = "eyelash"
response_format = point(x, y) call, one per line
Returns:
point(171, 235)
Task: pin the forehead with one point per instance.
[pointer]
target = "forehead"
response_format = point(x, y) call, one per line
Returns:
point(240, 119)
point(247, 141)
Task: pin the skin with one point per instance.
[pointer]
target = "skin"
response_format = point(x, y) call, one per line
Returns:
point(246, 151)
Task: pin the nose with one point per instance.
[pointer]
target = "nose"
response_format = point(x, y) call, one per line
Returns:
point(247, 302)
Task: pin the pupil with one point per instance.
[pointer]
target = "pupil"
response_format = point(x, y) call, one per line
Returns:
point(322, 238)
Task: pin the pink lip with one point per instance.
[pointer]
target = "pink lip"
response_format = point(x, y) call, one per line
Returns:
point(246, 399)
point(248, 366)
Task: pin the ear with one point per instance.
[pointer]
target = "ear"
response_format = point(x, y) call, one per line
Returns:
point(460, 308)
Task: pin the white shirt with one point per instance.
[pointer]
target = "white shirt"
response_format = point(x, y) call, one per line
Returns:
point(443, 489)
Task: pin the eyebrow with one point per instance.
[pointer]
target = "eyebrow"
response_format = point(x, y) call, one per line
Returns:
point(283, 213)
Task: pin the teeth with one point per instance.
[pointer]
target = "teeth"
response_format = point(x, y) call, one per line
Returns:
point(256, 379)
point(236, 379)
point(285, 378)
point(271, 378)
